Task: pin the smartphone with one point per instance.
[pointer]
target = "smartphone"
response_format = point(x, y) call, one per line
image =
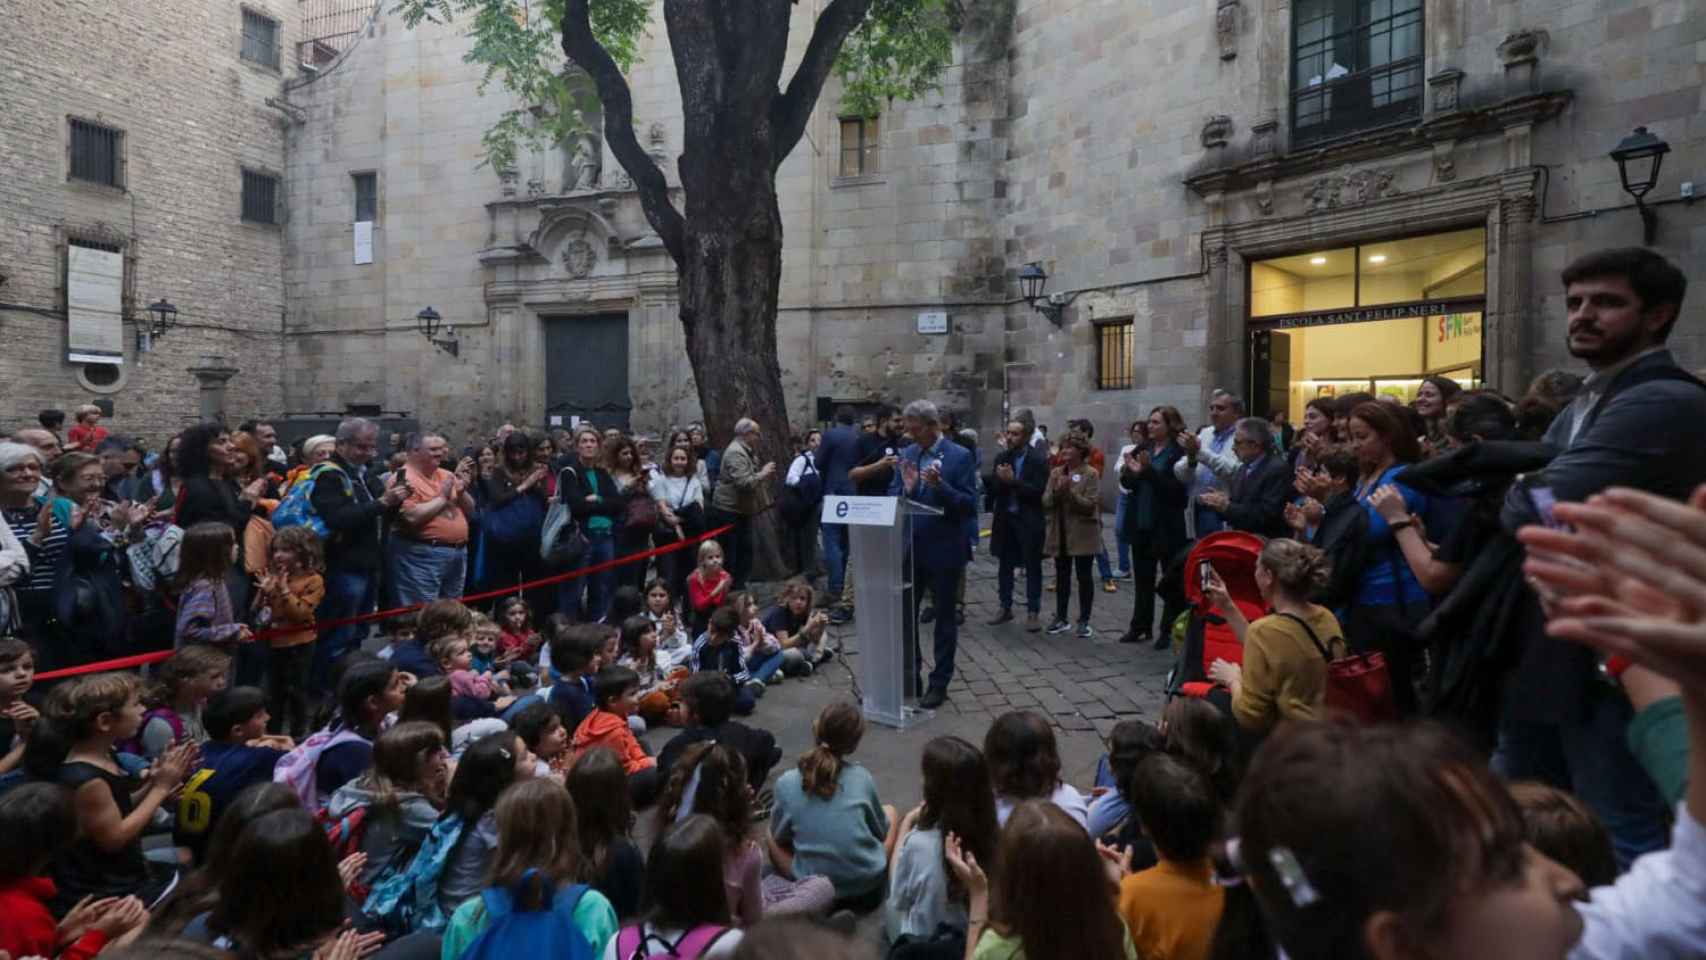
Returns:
point(1542, 501)
point(1205, 574)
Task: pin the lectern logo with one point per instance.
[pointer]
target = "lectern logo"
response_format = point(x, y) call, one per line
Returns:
point(841, 509)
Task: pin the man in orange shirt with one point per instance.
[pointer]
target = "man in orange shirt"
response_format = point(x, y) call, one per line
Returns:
point(429, 542)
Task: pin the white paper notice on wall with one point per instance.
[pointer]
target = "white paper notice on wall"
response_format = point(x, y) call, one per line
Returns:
point(364, 241)
point(556, 420)
point(94, 302)
point(932, 323)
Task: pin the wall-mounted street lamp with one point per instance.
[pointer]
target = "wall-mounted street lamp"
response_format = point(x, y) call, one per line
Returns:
point(428, 321)
point(162, 316)
point(1638, 157)
point(1032, 280)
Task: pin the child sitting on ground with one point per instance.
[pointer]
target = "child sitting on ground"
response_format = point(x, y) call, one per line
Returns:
point(1110, 819)
point(401, 794)
point(718, 649)
point(798, 628)
point(437, 620)
point(542, 730)
point(17, 718)
point(674, 646)
point(575, 652)
point(690, 914)
point(288, 597)
point(455, 659)
point(1562, 827)
point(186, 679)
point(707, 586)
point(517, 639)
point(235, 756)
point(829, 820)
point(707, 702)
point(659, 697)
point(483, 645)
point(38, 823)
point(1171, 909)
point(84, 720)
point(761, 651)
point(606, 726)
point(1024, 764)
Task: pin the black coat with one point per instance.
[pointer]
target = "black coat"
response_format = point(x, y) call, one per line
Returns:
point(1026, 489)
point(1257, 500)
point(352, 514)
point(1164, 527)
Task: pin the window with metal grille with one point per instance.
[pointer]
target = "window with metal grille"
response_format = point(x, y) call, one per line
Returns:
point(97, 154)
point(860, 142)
point(1355, 64)
point(260, 38)
point(260, 197)
point(366, 196)
point(1113, 355)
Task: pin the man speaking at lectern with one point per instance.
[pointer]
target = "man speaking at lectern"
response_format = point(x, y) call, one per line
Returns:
point(938, 472)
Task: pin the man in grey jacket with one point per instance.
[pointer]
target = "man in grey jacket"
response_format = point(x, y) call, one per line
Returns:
point(1639, 421)
point(742, 491)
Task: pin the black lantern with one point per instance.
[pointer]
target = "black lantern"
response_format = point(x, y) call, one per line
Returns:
point(164, 317)
point(427, 321)
point(1639, 157)
point(1032, 280)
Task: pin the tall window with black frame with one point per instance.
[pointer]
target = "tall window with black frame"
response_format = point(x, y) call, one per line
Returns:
point(1355, 65)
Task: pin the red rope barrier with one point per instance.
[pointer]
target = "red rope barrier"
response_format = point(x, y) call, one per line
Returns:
point(320, 626)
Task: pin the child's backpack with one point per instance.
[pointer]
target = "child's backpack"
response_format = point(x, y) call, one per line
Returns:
point(404, 901)
point(134, 744)
point(296, 768)
point(297, 507)
point(631, 942)
point(548, 932)
point(345, 833)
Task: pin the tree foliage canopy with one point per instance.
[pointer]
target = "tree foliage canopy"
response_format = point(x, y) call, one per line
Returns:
point(898, 50)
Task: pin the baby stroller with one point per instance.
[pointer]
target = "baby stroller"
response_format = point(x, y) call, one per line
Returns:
point(1208, 637)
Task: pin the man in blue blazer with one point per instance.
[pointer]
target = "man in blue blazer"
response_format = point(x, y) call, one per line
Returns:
point(940, 473)
point(836, 454)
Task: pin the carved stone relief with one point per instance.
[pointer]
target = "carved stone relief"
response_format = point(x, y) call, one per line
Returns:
point(1216, 131)
point(1349, 189)
point(1265, 197)
point(1264, 137)
point(579, 257)
point(1446, 84)
point(1226, 19)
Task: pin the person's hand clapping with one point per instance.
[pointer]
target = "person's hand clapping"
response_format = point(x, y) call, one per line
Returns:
point(1389, 503)
point(1115, 860)
point(175, 764)
point(120, 916)
point(965, 866)
point(1189, 443)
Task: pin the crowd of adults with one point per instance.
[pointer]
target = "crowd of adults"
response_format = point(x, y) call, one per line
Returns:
point(1530, 570)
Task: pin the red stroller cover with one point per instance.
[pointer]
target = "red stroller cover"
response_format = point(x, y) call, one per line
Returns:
point(1209, 637)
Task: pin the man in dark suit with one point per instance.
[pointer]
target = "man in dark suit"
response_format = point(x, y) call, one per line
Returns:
point(937, 472)
point(1014, 489)
point(836, 455)
point(1639, 421)
point(1257, 492)
point(352, 506)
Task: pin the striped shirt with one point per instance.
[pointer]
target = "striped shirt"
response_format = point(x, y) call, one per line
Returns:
point(44, 559)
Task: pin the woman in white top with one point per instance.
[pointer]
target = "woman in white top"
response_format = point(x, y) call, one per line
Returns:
point(802, 536)
point(1024, 764)
point(1139, 435)
point(681, 438)
point(680, 494)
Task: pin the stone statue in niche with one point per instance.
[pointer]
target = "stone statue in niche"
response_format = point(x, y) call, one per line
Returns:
point(657, 141)
point(1226, 27)
point(579, 257)
point(587, 162)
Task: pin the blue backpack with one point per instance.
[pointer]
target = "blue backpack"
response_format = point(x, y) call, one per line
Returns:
point(406, 900)
point(548, 932)
point(297, 507)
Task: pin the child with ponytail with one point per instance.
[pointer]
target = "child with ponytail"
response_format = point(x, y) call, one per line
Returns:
point(828, 819)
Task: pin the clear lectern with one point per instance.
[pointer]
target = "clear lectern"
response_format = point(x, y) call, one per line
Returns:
point(878, 529)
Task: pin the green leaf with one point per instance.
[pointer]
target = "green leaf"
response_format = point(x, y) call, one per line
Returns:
point(899, 52)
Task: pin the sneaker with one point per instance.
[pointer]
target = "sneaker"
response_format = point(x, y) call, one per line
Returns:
point(755, 687)
point(1005, 616)
point(1122, 575)
point(1032, 624)
point(806, 669)
point(824, 655)
point(840, 615)
point(1108, 586)
point(1085, 631)
point(1058, 626)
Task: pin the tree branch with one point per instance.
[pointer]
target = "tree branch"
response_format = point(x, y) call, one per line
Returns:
point(583, 48)
point(791, 110)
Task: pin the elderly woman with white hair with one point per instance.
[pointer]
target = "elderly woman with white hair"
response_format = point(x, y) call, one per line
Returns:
point(315, 451)
point(743, 490)
point(20, 472)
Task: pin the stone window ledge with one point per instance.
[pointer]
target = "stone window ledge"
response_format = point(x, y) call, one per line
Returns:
point(862, 180)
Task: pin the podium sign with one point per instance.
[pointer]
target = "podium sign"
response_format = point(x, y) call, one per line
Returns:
point(877, 532)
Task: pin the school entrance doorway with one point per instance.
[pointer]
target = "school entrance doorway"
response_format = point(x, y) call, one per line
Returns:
point(1375, 318)
point(586, 370)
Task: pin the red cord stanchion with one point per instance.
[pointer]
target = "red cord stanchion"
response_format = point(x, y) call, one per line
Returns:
point(320, 626)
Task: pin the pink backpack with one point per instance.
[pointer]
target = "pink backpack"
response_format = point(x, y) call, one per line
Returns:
point(134, 744)
point(296, 768)
point(632, 941)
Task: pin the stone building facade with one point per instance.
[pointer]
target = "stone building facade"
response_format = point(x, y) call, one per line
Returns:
point(1282, 197)
point(125, 135)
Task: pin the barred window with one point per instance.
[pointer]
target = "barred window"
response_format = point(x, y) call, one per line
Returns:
point(1114, 355)
point(260, 197)
point(260, 38)
point(860, 142)
point(366, 196)
point(1355, 64)
point(97, 154)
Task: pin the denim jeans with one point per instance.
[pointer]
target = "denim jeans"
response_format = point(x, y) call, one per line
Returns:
point(424, 572)
point(835, 557)
point(1103, 569)
point(1121, 544)
point(348, 592)
point(764, 667)
point(1590, 758)
point(600, 547)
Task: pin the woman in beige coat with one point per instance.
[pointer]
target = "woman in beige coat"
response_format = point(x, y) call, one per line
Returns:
point(1072, 507)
